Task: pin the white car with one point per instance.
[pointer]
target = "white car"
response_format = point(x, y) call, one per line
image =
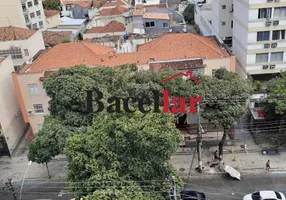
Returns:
point(265, 195)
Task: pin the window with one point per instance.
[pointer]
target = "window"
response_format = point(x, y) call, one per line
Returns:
point(223, 23)
point(33, 89)
point(36, 2)
point(223, 6)
point(264, 13)
point(277, 56)
point(26, 18)
point(263, 35)
point(32, 15)
point(278, 35)
point(35, 26)
point(24, 7)
point(15, 52)
point(26, 52)
point(38, 13)
point(210, 22)
point(280, 12)
point(261, 57)
point(17, 67)
point(150, 24)
point(30, 4)
point(41, 24)
point(29, 26)
point(38, 108)
point(231, 25)
point(165, 25)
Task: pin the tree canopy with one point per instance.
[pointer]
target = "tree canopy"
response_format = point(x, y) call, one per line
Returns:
point(51, 4)
point(189, 13)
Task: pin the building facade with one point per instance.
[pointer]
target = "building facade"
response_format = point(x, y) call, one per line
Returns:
point(12, 126)
point(185, 52)
point(22, 13)
point(215, 17)
point(259, 36)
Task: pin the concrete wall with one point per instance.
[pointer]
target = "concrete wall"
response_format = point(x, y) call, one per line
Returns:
point(34, 44)
point(213, 64)
point(11, 119)
point(53, 21)
point(26, 100)
point(98, 35)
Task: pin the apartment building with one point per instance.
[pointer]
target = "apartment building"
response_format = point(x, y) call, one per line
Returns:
point(21, 43)
point(12, 125)
point(22, 13)
point(185, 52)
point(215, 17)
point(259, 36)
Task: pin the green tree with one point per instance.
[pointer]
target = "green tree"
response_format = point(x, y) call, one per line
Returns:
point(276, 104)
point(66, 41)
point(52, 4)
point(189, 14)
point(225, 97)
point(129, 146)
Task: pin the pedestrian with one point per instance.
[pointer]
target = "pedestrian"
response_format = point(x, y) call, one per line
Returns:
point(268, 165)
point(216, 155)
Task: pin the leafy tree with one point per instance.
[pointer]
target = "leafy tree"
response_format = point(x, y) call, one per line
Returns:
point(129, 146)
point(276, 104)
point(225, 97)
point(189, 13)
point(52, 4)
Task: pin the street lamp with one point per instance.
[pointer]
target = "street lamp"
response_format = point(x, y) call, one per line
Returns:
point(29, 163)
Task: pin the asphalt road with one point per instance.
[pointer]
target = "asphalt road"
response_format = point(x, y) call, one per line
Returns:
point(222, 188)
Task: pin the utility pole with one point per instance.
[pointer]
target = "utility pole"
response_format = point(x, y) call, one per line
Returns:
point(11, 188)
point(174, 195)
point(199, 139)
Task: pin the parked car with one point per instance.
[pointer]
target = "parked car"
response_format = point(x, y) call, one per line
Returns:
point(187, 194)
point(265, 195)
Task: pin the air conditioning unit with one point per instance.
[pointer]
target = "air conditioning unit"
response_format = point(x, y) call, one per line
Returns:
point(266, 46)
point(30, 112)
point(269, 1)
point(268, 23)
point(276, 23)
point(265, 67)
point(272, 66)
point(273, 45)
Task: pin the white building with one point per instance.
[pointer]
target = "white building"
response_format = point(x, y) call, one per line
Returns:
point(22, 13)
point(12, 125)
point(21, 43)
point(215, 17)
point(259, 35)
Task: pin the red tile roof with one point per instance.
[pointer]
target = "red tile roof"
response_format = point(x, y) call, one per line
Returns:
point(174, 46)
point(113, 11)
point(163, 5)
point(113, 26)
point(50, 13)
point(82, 3)
point(156, 16)
point(9, 33)
point(114, 4)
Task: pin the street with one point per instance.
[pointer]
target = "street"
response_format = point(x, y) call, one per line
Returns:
point(221, 188)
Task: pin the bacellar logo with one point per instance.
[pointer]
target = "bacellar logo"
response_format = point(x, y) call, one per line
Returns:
point(177, 105)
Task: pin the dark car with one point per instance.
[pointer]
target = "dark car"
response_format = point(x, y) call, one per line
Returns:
point(192, 195)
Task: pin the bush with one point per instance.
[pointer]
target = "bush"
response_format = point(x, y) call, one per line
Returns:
point(189, 14)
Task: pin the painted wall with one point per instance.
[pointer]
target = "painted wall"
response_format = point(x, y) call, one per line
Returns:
point(158, 25)
point(53, 21)
point(78, 12)
point(11, 119)
point(11, 13)
point(213, 64)
point(34, 44)
point(27, 100)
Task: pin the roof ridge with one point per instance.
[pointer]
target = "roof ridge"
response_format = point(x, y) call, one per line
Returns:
point(199, 38)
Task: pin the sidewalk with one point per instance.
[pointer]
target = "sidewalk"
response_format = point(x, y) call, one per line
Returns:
point(15, 168)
